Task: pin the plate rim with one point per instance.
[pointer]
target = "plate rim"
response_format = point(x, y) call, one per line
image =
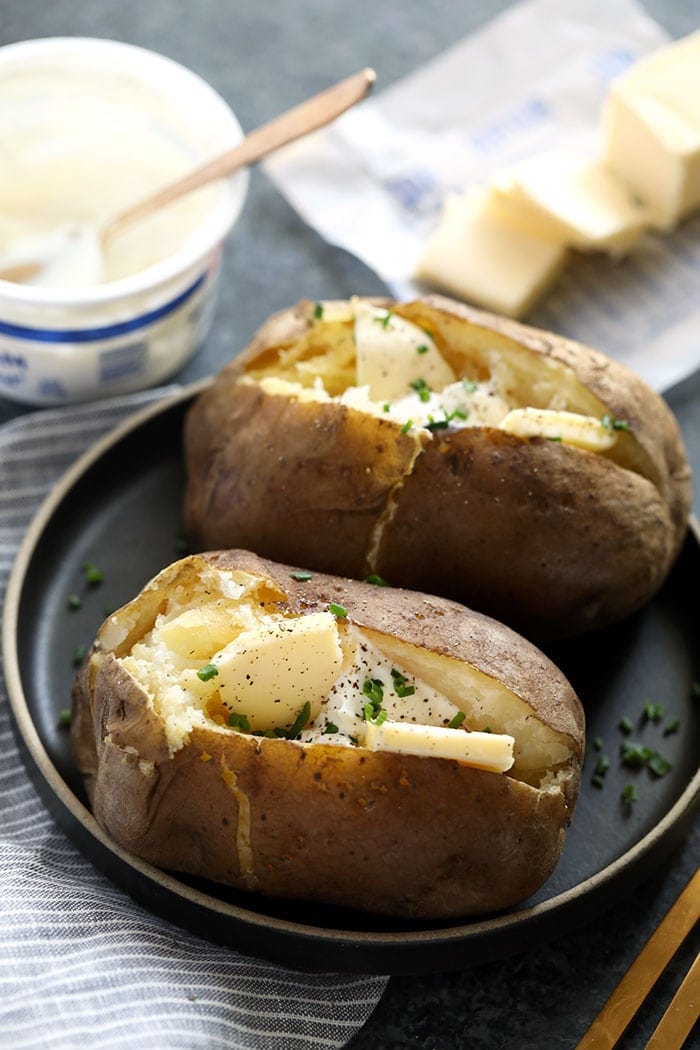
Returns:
point(378, 943)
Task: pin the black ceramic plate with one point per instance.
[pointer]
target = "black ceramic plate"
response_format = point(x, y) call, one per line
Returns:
point(120, 508)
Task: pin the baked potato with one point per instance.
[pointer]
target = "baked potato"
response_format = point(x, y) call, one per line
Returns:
point(305, 736)
point(446, 450)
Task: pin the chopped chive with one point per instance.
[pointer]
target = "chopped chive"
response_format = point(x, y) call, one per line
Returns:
point(421, 388)
point(437, 424)
point(93, 575)
point(598, 743)
point(239, 721)
point(64, 718)
point(318, 311)
point(374, 689)
point(456, 722)
point(207, 672)
point(629, 794)
point(407, 426)
point(625, 725)
point(672, 727)
point(74, 601)
point(659, 765)
point(611, 423)
point(634, 755)
point(422, 349)
point(299, 722)
point(376, 579)
point(470, 385)
point(78, 655)
point(338, 610)
point(301, 576)
point(331, 727)
point(386, 407)
point(554, 437)
point(400, 687)
point(652, 712)
point(384, 321)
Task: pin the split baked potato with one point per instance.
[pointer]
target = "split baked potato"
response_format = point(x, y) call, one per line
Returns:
point(447, 450)
point(306, 736)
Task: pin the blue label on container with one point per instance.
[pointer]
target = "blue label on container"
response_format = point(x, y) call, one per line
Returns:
point(123, 361)
point(13, 368)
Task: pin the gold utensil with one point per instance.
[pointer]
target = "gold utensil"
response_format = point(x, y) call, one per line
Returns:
point(317, 111)
point(626, 999)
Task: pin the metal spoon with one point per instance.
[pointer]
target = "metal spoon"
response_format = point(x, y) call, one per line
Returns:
point(295, 123)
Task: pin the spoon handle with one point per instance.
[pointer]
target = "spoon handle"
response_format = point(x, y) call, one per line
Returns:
point(302, 119)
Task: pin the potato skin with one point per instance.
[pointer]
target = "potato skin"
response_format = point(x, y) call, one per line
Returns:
point(376, 831)
point(550, 539)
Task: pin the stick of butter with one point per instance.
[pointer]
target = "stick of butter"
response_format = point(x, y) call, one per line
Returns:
point(571, 198)
point(651, 124)
point(477, 255)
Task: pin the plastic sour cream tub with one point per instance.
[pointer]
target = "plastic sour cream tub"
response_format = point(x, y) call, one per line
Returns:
point(88, 127)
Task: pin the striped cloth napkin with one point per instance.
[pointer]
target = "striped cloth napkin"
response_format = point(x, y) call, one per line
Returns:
point(81, 965)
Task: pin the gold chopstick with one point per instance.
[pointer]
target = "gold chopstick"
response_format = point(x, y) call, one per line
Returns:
point(681, 1013)
point(632, 990)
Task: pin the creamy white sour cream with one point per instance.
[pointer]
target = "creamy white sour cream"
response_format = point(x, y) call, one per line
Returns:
point(77, 146)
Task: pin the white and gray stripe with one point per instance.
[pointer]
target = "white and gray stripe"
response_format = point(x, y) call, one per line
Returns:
point(80, 963)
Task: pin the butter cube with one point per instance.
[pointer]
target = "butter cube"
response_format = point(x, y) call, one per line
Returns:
point(651, 123)
point(568, 197)
point(477, 255)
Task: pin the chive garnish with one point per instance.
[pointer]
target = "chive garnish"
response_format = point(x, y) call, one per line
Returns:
point(93, 575)
point(376, 579)
point(407, 426)
point(74, 601)
point(207, 672)
point(331, 727)
point(421, 388)
point(658, 765)
point(64, 718)
point(301, 576)
point(634, 755)
point(456, 722)
point(78, 655)
point(652, 712)
point(239, 721)
point(299, 722)
point(611, 423)
point(400, 687)
point(318, 311)
point(625, 725)
point(373, 688)
point(338, 610)
point(470, 385)
point(672, 727)
point(422, 349)
point(629, 794)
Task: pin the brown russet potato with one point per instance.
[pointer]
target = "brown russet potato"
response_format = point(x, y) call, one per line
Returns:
point(202, 725)
point(552, 493)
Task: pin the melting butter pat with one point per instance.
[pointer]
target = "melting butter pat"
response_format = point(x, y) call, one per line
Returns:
point(490, 751)
point(392, 353)
point(651, 122)
point(270, 672)
point(585, 432)
point(476, 254)
point(569, 198)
